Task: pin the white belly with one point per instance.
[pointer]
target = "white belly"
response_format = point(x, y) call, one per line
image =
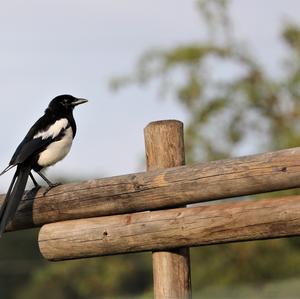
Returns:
point(56, 151)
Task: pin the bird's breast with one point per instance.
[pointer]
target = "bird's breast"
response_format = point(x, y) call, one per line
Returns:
point(57, 150)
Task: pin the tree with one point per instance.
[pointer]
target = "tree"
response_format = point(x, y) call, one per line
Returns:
point(227, 112)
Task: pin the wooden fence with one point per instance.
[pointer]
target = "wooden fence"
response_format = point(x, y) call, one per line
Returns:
point(147, 211)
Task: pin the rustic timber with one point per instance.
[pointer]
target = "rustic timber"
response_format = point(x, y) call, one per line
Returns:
point(164, 147)
point(160, 230)
point(163, 188)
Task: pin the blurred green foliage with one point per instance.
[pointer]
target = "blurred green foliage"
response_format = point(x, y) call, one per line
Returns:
point(230, 99)
point(109, 277)
point(232, 102)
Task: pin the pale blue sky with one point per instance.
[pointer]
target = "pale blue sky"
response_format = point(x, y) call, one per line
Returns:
point(63, 46)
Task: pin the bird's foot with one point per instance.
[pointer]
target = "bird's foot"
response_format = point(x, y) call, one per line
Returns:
point(51, 186)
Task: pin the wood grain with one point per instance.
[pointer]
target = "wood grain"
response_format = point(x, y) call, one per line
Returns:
point(164, 147)
point(163, 188)
point(162, 230)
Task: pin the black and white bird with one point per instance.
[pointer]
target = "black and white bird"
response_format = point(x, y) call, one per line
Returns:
point(48, 141)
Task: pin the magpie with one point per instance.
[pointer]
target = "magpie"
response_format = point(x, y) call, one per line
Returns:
point(48, 141)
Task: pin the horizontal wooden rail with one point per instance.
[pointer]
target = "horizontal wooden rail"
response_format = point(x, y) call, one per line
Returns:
point(159, 230)
point(163, 188)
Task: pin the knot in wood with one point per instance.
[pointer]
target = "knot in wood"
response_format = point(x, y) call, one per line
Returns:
point(284, 169)
point(136, 184)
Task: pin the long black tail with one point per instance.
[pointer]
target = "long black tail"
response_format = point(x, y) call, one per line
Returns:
point(13, 196)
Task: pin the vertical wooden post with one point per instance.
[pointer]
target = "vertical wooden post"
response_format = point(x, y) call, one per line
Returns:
point(171, 269)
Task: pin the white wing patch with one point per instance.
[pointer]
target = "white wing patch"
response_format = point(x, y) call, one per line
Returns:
point(54, 130)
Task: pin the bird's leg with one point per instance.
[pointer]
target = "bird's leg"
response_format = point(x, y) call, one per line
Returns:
point(36, 185)
point(50, 184)
point(31, 194)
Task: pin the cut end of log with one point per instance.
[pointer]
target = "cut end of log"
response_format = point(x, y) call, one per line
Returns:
point(166, 122)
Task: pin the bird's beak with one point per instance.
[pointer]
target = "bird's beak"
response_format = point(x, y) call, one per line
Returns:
point(79, 101)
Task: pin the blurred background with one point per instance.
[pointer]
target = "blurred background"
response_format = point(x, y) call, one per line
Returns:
point(230, 70)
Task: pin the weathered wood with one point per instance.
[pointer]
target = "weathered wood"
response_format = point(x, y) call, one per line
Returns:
point(164, 146)
point(160, 230)
point(163, 188)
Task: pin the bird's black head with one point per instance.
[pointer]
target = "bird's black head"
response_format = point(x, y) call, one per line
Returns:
point(65, 103)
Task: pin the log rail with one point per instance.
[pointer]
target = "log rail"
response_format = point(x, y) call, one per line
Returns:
point(161, 189)
point(159, 230)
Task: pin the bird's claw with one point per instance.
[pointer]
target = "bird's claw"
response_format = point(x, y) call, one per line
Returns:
point(51, 186)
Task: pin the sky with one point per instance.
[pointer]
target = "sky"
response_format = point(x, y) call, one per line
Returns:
point(54, 47)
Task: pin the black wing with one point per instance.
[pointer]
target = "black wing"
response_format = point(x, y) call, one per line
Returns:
point(34, 146)
point(30, 149)
point(30, 146)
